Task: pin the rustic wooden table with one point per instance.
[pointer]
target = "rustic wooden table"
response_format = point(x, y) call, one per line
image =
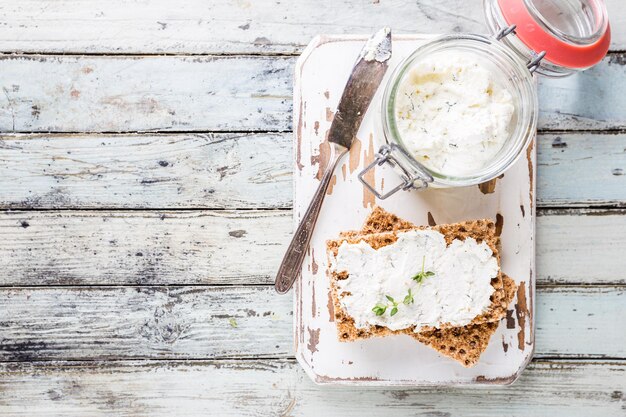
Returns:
point(145, 182)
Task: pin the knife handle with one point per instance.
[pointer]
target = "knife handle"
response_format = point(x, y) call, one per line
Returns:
point(292, 261)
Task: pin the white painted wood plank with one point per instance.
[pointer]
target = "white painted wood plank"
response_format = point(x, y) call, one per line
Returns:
point(570, 316)
point(223, 26)
point(144, 322)
point(245, 247)
point(82, 94)
point(280, 388)
point(142, 247)
point(195, 322)
point(245, 171)
point(583, 246)
point(42, 93)
point(586, 100)
point(582, 170)
point(141, 171)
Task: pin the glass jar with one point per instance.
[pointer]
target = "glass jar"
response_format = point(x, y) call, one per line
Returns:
point(552, 37)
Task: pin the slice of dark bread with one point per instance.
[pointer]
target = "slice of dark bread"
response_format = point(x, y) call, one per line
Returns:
point(481, 230)
point(464, 344)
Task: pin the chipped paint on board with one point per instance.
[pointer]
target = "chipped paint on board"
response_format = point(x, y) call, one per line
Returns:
point(331, 308)
point(368, 157)
point(531, 172)
point(314, 339)
point(354, 156)
point(521, 312)
point(314, 265)
point(510, 320)
point(499, 224)
point(329, 114)
point(488, 187)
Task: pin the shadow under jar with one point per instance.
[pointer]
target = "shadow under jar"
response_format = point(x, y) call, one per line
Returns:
point(554, 38)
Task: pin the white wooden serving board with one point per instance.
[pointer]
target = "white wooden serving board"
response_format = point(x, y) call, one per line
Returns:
point(321, 74)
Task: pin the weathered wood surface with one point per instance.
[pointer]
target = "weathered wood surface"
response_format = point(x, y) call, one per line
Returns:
point(143, 322)
point(147, 250)
point(583, 169)
point(246, 170)
point(43, 93)
point(197, 322)
point(280, 388)
point(147, 171)
point(99, 94)
point(245, 247)
point(142, 247)
point(574, 245)
point(225, 26)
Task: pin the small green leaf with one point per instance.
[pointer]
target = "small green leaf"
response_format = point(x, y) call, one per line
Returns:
point(408, 299)
point(232, 322)
point(394, 311)
point(419, 277)
point(389, 298)
point(379, 309)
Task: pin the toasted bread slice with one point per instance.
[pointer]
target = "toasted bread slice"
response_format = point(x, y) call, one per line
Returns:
point(481, 230)
point(464, 344)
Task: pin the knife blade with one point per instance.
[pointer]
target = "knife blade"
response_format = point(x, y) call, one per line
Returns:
point(363, 83)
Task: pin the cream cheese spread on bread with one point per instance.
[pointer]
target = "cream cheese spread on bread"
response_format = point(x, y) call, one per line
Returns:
point(425, 281)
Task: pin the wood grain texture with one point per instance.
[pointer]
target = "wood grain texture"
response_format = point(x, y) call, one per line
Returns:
point(144, 322)
point(223, 26)
point(42, 93)
point(146, 171)
point(280, 388)
point(245, 170)
point(585, 100)
point(582, 170)
point(142, 247)
point(245, 247)
point(196, 322)
point(100, 94)
point(574, 245)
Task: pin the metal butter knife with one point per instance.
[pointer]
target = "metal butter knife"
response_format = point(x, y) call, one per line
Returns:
point(366, 76)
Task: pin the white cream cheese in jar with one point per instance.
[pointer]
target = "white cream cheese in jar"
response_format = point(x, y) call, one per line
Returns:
point(452, 114)
point(456, 290)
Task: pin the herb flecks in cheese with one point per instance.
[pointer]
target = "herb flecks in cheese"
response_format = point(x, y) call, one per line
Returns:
point(459, 291)
point(452, 113)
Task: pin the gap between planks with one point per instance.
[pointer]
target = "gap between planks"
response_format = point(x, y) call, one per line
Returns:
point(603, 361)
point(181, 54)
point(32, 134)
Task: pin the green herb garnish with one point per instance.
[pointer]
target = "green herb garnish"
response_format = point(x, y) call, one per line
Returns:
point(408, 299)
point(419, 277)
point(380, 308)
point(232, 322)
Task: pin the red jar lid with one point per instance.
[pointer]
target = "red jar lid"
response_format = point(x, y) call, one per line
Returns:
point(537, 33)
